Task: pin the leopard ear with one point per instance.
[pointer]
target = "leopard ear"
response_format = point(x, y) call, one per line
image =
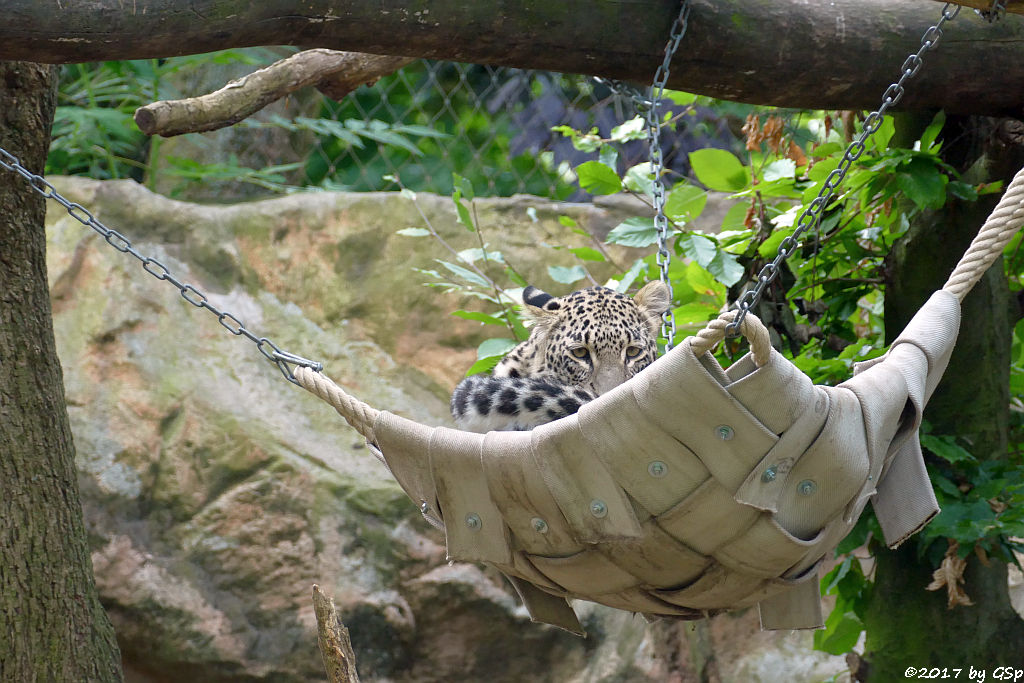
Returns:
point(653, 299)
point(539, 304)
point(535, 297)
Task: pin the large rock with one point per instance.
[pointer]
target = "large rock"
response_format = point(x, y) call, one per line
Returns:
point(216, 493)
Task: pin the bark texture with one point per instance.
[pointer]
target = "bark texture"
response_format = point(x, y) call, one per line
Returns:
point(840, 54)
point(335, 73)
point(906, 625)
point(53, 627)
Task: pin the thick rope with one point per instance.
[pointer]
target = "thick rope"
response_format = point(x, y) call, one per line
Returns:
point(995, 234)
point(751, 328)
point(356, 413)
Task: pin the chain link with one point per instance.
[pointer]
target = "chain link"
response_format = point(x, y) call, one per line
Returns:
point(647, 103)
point(188, 292)
point(653, 121)
point(811, 215)
point(995, 11)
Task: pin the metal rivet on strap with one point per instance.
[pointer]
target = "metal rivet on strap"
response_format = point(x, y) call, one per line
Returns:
point(598, 508)
point(473, 521)
point(424, 508)
point(539, 525)
point(806, 487)
point(657, 469)
point(725, 432)
point(769, 474)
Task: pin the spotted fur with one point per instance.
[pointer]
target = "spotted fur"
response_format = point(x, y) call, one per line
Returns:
point(581, 345)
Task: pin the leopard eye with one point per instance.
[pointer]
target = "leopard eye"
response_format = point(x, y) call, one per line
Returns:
point(580, 352)
point(633, 351)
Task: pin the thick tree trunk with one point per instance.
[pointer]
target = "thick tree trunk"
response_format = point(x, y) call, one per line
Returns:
point(907, 626)
point(840, 54)
point(52, 627)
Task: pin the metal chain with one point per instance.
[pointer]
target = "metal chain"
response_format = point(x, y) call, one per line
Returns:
point(811, 216)
point(653, 120)
point(188, 292)
point(648, 104)
point(995, 11)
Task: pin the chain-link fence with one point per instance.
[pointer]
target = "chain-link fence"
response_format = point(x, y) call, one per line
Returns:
point(421, 124)
point(497, 125)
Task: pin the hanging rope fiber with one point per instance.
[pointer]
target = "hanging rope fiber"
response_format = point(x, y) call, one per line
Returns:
point(995, 234)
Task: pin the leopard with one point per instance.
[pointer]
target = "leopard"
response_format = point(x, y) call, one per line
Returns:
point(581, 345)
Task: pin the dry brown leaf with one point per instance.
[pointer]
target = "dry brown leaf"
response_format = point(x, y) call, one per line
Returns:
point(796, 154)
point(752, 129)
point(773, 130)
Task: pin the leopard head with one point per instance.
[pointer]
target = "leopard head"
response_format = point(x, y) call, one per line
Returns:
point(595, 338)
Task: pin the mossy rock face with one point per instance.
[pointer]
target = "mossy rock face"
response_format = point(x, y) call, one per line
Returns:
point(216, 493)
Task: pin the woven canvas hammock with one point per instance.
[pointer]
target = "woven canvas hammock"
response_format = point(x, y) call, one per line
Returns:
point(690, 490)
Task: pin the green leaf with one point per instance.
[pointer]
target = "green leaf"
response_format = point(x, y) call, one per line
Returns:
point(498, 346)
point(423, 131)
point(734, 217)
point(840, 635)
point(699, 279)
point(681, 98)
point(946, 486)
point(962, 190)
point(780, 169)
point(408, 194)
point(515, 277)
point(464, 216)
point(699, 248)
point(921, 180)
point(630, 276)
point(567, 221)
point(685, 203)
point(718, 169)
point(474, 254)
point(695, 313)
point(388, 137)
point(770, 246)
point(463, 185)
point(640, 179)
point(588, 254)
point(465, 274)
point(609, 156)
point(630, 130)
point(483, 365)
point(946, 448)
point(881, 137)
point(567, 275)
point(634, 232)
point(932, 131)
point(479, 317)
point(585, 142)
point(414, 232)
point(726, 268)
point(596, 178)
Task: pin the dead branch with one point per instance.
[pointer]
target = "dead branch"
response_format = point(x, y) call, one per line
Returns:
point(335, 646)
point(335, 73)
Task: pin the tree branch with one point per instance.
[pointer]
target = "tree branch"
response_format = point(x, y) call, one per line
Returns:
point(840, 54)
point(335, 73)
point(335, 646)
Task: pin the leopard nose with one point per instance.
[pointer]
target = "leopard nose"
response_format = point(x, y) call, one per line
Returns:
point(607, 378)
